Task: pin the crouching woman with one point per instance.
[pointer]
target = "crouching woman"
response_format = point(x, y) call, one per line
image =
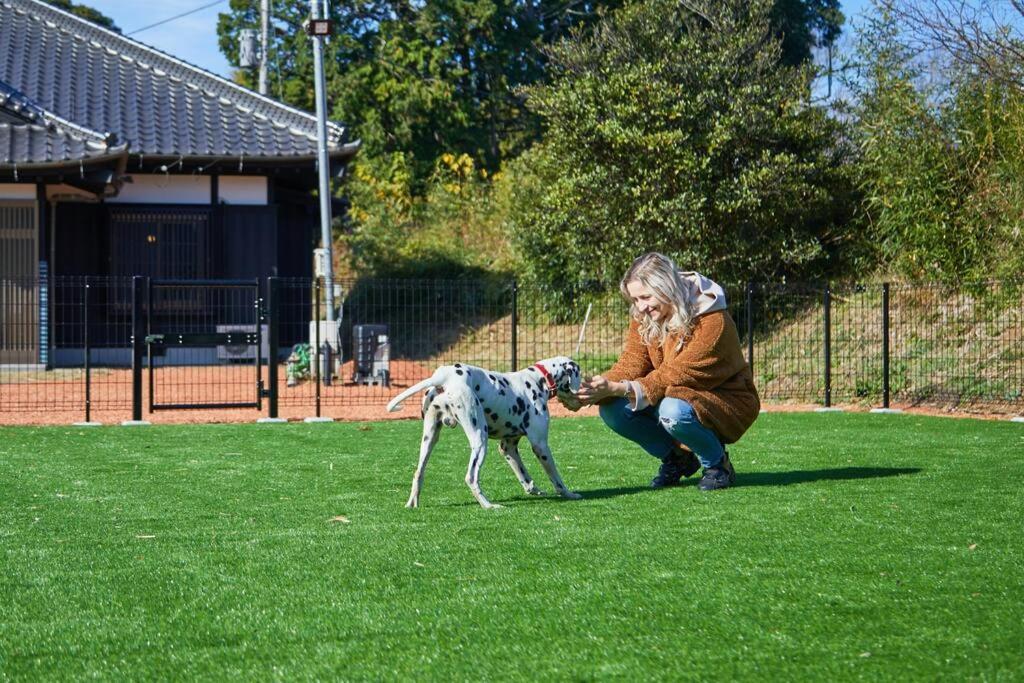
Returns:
point(681, 388)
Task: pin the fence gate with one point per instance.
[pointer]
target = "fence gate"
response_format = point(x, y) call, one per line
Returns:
point(205, 343)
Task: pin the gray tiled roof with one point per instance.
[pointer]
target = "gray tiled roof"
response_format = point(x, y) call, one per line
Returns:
point(98, 80)
point(28, 135)
point(32, 144)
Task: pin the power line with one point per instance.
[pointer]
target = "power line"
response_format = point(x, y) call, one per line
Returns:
point(177, 16)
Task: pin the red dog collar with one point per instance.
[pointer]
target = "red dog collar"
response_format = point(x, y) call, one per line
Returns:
point(552, 389)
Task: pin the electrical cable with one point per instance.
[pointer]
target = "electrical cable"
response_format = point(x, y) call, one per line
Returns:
point(177, 16)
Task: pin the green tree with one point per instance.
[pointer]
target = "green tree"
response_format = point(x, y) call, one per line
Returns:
point(917, 161)
point(430, 78)
point(941, 162)
point(420, 79)
point(675, 127)
point(85, 12)
point(802, 25)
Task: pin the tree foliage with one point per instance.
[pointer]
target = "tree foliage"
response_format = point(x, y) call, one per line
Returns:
point(85, 12)
point(423, 81)
point(429, 78)
point(984, 37)
point(675, 127)
point(449, 231)
point(941, 164)
point(420, 79)
point(802, 25)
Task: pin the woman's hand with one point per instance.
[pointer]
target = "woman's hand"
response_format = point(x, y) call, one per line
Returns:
point(598, 389)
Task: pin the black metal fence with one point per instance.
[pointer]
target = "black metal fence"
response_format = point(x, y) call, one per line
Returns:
point(74, 346)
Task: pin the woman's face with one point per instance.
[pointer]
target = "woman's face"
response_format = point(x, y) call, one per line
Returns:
point(647, 303)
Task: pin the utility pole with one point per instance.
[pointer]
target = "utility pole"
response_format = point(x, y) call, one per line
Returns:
point(264, 43)
point(319, 31)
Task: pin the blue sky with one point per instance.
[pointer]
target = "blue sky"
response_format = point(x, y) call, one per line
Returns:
point(194, 38)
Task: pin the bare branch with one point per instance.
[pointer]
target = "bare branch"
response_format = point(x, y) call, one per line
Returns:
point(984, 35)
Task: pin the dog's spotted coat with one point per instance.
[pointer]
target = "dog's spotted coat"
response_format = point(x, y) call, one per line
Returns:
point(494, 405)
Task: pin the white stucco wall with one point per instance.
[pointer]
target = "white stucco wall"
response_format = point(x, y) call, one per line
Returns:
point(159, 188)
point(242, 189)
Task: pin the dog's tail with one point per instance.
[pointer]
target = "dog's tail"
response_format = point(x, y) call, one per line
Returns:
point(437, 379)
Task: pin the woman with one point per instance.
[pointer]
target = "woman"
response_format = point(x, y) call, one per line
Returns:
point(681, 386)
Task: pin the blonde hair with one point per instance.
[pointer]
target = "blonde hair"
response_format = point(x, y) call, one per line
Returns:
point(659, 274)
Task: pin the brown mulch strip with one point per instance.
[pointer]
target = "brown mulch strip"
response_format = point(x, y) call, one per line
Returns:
point(59, 398)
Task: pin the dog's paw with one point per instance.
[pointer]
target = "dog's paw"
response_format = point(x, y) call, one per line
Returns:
point(413, 503)
point(571, 495)
point(532, 490)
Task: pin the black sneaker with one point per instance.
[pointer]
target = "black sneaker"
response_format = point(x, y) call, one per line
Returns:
point(674, 467)
point(720, 476)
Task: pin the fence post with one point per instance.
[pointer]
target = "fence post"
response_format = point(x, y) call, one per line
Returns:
point(151, 381)
point(885, 345)
point(828, 345)
point(317, 352)
point(85, 343)
point(272, 344)
point(138, 331)
point(515, 324)
point(259, 305)
point(750, 326)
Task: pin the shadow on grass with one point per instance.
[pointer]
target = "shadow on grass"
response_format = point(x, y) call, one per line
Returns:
point(767, 479)
point(596, 494)
point(550, 497)
point(804, 476)
point(742, 480)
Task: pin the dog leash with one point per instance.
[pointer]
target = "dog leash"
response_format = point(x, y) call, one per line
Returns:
point(552, 389)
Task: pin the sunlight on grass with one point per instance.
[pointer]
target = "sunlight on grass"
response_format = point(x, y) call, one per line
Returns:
point(853, 546)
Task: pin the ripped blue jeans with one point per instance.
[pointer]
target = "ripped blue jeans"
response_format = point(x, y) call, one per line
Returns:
point(656, 429)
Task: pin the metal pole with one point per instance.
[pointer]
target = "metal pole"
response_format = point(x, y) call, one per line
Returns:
point(515, 324)
point(323, 164)
point(273, 315)
point(318, 352)
point(85, 342)
point(885, 345)
point(828, 346)
point(149, 348)
point(264, 43)
point(750, 326)
point(258, 306)
point(138, 331)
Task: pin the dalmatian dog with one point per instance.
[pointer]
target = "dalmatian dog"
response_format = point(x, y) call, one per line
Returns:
point(495, 405)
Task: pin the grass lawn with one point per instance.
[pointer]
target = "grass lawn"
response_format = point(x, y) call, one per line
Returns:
point(854, 546)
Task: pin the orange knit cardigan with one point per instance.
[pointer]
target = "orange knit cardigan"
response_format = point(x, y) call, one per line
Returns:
point(709, 372)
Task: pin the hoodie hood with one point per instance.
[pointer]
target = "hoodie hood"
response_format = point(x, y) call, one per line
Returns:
point(707, 295)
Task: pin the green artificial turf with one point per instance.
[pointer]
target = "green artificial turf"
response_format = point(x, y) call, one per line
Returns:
point(854, 546)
